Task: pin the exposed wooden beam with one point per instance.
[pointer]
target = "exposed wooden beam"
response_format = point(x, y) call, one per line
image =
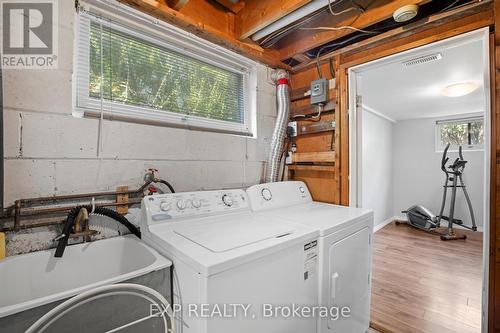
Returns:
point(472, 16)
point(427, 34)
point(494, 267)
point(314, 157)
point(378, 11)
point(233, 7)
point(176, 4)
point(258, 14)
point(301, 57)
point(161, 11)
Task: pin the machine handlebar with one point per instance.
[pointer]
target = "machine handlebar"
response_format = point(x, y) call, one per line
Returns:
point(457, 164)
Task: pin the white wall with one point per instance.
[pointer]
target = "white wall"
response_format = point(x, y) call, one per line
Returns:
point(418, 178)
point(49, 152)
point(377, 166)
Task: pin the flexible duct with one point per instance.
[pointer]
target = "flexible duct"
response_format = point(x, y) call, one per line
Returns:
point(279, 133)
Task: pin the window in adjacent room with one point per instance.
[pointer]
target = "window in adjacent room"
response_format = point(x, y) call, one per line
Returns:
point(174, 79)
point(468, 133)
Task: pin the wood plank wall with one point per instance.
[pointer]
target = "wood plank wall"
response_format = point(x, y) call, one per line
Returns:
point(337, 188)
point(322, 178)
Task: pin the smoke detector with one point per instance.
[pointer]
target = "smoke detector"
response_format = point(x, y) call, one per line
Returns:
point(405, 13)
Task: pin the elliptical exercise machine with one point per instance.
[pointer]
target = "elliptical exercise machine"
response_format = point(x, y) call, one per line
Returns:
point(422, 218)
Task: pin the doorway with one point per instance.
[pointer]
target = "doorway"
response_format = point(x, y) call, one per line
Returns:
point(400, 122)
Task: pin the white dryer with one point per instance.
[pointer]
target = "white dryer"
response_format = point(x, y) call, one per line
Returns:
point(224, 255)
point(345, 248)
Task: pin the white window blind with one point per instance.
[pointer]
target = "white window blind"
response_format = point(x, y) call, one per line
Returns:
point(128, 73)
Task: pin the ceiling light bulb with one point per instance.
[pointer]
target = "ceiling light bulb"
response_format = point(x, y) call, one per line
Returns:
point(459, 89)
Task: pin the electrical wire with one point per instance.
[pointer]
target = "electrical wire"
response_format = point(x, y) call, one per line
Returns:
point(449, 6)
point(349, 26)
point(344, 27)
point(318, 54)
point(356, 7)
point(332, 68)
point(285, 30)
point(318, 68)
point(316, 117)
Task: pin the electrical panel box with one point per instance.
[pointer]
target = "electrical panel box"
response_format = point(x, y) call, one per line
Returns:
point(319, 91)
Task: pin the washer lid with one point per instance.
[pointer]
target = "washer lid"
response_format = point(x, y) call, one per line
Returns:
point(326, 218)
point(226, 234)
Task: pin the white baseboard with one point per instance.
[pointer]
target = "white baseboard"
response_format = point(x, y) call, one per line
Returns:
point(386, 222)
point(403, 218)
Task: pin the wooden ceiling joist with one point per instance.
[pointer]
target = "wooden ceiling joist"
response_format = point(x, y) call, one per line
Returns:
point(380, 11)
point(235, 8)
point(163, 12)
point(176, 4)
point(469, 17)
point(258, 14)
point(459, 21)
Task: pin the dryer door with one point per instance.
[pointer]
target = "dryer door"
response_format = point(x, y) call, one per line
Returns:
point(349, 282)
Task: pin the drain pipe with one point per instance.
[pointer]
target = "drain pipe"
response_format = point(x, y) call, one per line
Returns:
point(279, 133)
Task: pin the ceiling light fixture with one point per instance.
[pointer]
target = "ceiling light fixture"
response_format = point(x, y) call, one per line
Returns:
point(459, 89)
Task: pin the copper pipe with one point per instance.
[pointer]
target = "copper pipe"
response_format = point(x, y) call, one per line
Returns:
point(82, 195)
point(55, 210)
point(36, 211)
point(16, 212)
point(34, 225)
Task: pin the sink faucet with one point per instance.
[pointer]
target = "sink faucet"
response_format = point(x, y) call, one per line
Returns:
point(74, 228)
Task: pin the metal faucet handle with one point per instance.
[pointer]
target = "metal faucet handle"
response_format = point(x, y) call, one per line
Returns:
point(61, 236)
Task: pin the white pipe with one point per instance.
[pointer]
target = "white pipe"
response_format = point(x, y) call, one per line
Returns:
point(110, 290)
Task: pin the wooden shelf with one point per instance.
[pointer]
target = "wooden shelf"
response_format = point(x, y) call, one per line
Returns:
point(313, 127)
point(315, 157)
point(308, 109)
point(299, 167)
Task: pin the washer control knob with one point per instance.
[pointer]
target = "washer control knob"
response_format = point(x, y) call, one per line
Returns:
point(227, 200)
point(165, 206)
point(196, 203)
point(266, 194)
point(302, 189)
point(181, 204)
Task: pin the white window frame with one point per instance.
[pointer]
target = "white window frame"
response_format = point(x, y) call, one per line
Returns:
point(454, 148)
point(145, 27)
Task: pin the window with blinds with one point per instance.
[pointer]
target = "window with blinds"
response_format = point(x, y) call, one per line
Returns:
point(126, 73)
point(467, 132)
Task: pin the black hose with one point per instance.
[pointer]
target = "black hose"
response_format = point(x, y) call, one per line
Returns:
point(170, 187)
point(70, 222)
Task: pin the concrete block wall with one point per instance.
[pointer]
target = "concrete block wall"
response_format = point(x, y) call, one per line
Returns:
point(50, 152)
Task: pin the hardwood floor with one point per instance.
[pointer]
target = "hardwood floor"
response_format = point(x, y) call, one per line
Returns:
point(424, 285)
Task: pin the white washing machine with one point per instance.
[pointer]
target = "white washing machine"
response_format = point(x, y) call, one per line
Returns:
point(345, 249)
point(225, 256)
